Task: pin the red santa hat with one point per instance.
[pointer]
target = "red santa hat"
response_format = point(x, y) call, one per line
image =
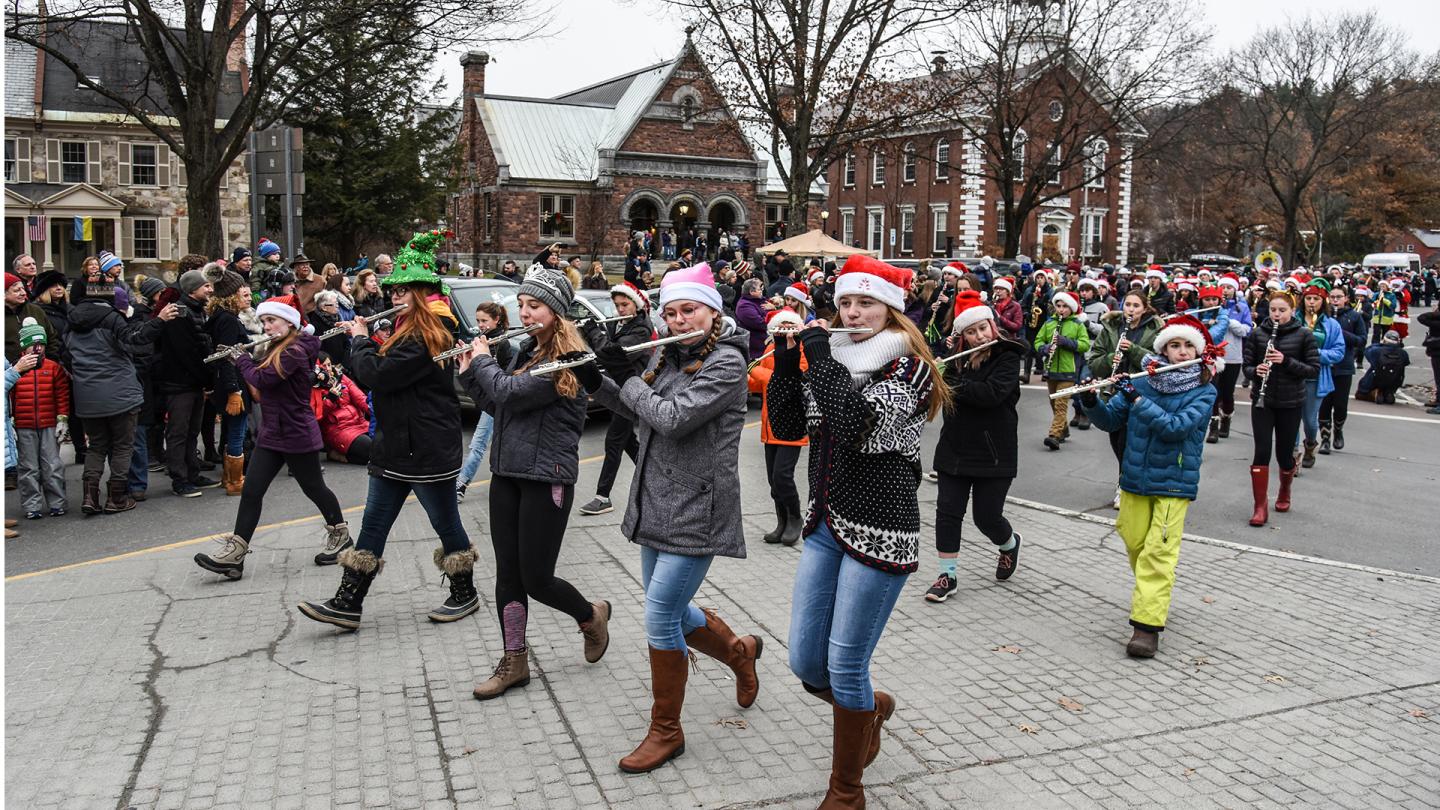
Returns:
point(1190, 330)
point(1006, 283)
point(632, 292)
point(970, 309)
point(1155, 271)
point(816, 275)
point(1185, 284)
point(1067, 298)
point(956, 269)
point(286, 308)
point(864, 275)
point(783, 318)
point(800, 292)
point(1230, 280)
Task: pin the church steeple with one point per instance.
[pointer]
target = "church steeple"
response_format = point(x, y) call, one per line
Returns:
point(1037, 28)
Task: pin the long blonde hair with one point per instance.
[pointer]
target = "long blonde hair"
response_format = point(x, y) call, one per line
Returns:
point(561, 338)
point(940, 396)
point(277, 348)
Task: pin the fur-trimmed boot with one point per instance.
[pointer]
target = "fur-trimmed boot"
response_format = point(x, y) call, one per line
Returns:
point(1213, 437)
point(119, 497)
point(233, 474)
point(718, 641)
point(1282, 498)
point(358, 569)
point(1224, 425)
point(337, 539)
point(848, 749)
point(459, 569)
point(665, 740)
point(230, 561)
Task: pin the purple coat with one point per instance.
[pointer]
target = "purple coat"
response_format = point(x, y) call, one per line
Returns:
point(750, 314)
point(287, 421)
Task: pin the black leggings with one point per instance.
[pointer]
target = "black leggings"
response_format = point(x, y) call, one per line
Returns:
point(619, 438)
point(1278, 428)
point(1225, 386)
point(955, 493)
point(780, 460)
point(1336, 404)
point(264, 466)
point(359, 450)
point(527, 526)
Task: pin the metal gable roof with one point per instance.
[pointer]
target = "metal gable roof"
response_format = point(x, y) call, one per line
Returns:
point(543, 140)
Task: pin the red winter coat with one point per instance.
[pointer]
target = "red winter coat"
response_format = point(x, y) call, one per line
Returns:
point(341, 421)
point(42, 395)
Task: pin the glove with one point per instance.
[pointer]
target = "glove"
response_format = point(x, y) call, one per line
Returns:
point(1127, 389)
point(1089, 399)
point(588, 373)
point(234, 404)
point(613, 357)
point(816, 343)
point(1067, 343)
point(787, 360)
point(62, 428)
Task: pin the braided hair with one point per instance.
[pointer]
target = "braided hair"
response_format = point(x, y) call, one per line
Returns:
point(716, 329)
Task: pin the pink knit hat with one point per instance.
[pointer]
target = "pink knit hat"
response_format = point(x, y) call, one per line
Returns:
point(691, 284)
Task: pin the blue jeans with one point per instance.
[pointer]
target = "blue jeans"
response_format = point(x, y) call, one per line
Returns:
point(382, 508)
point(838, 612)
point(1310, 411)
point(478, 442)
point(232, 433)
point(671, 581)
point(139, 475)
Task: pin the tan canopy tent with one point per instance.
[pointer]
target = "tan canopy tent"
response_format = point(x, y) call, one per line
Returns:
point(812, 243)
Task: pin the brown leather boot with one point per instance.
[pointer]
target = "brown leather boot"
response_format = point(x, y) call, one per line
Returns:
point(1143, 644)
point(718, 641)
point(513, 670)
point(234, 474)
point(1282, 498)
point(665, 740)
point(884, 707)
point(119, 500)
point(597, 632)
point(1260, 491)
point(847, 759)
point(91, 504)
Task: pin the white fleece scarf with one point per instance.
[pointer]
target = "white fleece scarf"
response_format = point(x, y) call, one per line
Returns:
point(865, 357)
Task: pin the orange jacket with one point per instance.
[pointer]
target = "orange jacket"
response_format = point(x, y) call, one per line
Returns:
point(759, 379)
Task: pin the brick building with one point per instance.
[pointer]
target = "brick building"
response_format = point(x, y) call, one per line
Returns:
point(656, 147)
point(1422, 241)
point(70, 153)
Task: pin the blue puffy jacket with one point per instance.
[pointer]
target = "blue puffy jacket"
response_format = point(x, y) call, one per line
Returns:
point(1331, 340)
point(1165, 434)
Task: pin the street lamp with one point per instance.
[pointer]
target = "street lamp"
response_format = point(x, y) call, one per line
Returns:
point(684, 210)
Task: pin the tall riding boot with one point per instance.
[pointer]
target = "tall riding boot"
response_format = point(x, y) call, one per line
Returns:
point(91, 505)
point(119, 497)
point(1324, 437)
point(1214, 436)
point(1339, 437)
point(459, 568)
point(774, 536)
point(233, 474)
point(1308, 459)
point(1260, 489)
point(718, 641)
point(1224, 425)
point(665, 740)
point(1282, 498)
point(847, 759)
point(358, 570)
point(884, 707)
point(794, 521)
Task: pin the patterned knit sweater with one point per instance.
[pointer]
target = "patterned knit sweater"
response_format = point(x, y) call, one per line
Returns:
point(864, 446)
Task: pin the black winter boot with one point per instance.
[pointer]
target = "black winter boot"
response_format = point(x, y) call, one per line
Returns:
point(774, 536)
point(794, 521)
point(1214, 435)
point(358, 570)
point(1324, 437)
point(1224, 425)
point(1339, 434)
point(459, 568)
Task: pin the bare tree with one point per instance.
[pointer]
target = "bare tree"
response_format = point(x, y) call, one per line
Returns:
point(190, 50)
point(1301, 101)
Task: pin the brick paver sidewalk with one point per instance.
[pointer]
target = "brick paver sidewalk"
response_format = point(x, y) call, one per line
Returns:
point(147, 683)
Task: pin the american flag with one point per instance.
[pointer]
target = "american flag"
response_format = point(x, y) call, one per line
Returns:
point(35, 231)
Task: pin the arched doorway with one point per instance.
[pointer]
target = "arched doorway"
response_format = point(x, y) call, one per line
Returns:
point(685, 213)
point(722, 217)
point(643, 215)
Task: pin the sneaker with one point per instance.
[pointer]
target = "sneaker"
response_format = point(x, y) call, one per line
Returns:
point(156, 467)
point(941, 590)
point(1008, 561)
point(932, 476)
point(201, 482)
point(1052, 442)
point(57, 511)
point(34, 515)
point(597, 506)
point(187, 490)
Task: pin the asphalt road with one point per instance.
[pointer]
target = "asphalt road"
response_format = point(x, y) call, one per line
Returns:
point(1370, 504)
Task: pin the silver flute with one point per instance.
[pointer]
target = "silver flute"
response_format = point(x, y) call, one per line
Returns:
point(1109, 381)
point(556, 365)
point(467, 348)
point(662, 341)
point(967, 352)
point(856, 330)
point(367, 320)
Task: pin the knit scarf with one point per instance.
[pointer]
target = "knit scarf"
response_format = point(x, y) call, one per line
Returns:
point(866, 357)
point(1174, 381)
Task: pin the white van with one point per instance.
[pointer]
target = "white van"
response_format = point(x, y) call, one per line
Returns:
point(1402, 261)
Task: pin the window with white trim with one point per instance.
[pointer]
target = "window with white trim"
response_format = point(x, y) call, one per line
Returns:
point(143, 171)
point(1092, 230)
point(876, 229)
point(939, 224)
point(557, 216)
point(146, 238)
point(1052, 167)
point(1017, 156)
point(73, 161)
point(877, 167)
point(1000, 223)
point(12, 161)
point(1095, 163)
point(847, 227)
point(849, 169)
point(910, 163)
point(907, 230)
point(942, 160)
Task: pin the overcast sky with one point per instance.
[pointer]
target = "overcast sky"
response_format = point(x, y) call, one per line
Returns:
point(592, 40)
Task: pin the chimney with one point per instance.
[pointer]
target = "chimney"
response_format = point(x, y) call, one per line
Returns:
point(474, 64)
point(938, 63)
point(235, 54)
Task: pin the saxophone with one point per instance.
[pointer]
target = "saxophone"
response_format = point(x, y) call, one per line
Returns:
point(1035, 313)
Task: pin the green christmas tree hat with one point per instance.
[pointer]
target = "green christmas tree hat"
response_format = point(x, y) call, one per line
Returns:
point(415, 263)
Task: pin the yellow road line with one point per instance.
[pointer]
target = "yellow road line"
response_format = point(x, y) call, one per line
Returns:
point(196, 540)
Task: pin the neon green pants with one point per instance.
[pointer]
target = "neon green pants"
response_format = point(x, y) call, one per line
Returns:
point(1151, 527)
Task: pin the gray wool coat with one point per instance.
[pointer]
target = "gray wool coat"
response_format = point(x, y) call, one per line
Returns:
point(685, 494)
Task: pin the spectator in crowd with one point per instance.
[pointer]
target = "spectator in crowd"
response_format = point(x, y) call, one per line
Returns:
point(18, 307)
point(149, 440)
point(270, 253)
point(384, 265)
point(224, 326)
point(368, 298)
point(574, 273)
point(48, 292)
point(750, 315)
point(183, 377)
point(635, 268)
point(509, 271)
point(343, 412)
point(595, 279)
point(240, 261)
point(344, 294)
point(325, 316)
point(25, 269)
point(306, 282)
point(1386, 374)
point(12, 376)
point(42, 413)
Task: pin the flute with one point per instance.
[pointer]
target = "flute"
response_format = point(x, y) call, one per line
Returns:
point(1194, 311)
point(857, 330)
point(1264, 381)
point(661, 342)
point(367, 320)
point(467, 348)
point(967, 352)
point(239, 348)
point(556, 365)
point(1109, 381)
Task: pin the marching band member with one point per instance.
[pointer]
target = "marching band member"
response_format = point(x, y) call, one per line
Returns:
point(864, 401)
point(1062, 342)
point(1279, 357)
point(1164, 415)
point(977, 452)
point(1217, 323)
point(1239, 325)
point(289, 436)
point(689, 410)
point(533, 469)
point(1126, 334)
point(634, 306)
point(1336, 405)
point(1330, 339)
point(415, 448)
point(781, 456)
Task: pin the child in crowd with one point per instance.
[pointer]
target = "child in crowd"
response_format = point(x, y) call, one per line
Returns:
point(42, 416)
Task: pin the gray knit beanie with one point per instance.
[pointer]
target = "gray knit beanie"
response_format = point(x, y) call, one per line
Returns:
point(550, 286)
point(192, 280)
point(228, 284)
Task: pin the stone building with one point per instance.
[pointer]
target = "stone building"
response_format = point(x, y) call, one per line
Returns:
point(656, 147)
point(72, 154)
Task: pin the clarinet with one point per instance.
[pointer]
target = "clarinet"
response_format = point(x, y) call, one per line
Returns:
point(1264, 381)
point(1119, 352)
